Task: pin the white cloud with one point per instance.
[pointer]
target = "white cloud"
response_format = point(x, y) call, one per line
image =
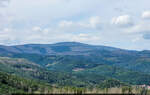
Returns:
point(122, 21)
point(46, 31)
point(95, 22)
point(6, 32)
point(91, 23)
point(146, 15)
point(85, 38)
point(48, 21)
point(8, 36)
point(40, 32)
point(36, 29)
point(65, 24)
point(5, 17)
point(136, 39)
point(4, 3)
point(142, 28)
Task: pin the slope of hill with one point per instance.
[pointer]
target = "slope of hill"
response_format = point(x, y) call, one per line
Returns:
point(137, 62)
point(124, 75)
point(13, 84)
point(72, 63)
point(89, 76)
point(64, 48)
point(27, 69)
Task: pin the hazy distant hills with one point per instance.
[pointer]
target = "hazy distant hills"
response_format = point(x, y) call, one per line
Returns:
point(69, 48)
point(78, 64)
point(64, 48)
point(79, 55)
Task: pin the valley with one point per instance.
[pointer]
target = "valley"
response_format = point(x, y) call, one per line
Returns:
point(73, 66)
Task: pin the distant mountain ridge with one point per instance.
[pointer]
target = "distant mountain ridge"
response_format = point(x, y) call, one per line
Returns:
point(72, 55)
point(62, 48)
point(77, 64)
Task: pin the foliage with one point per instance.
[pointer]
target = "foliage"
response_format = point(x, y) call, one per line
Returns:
point(15, 84)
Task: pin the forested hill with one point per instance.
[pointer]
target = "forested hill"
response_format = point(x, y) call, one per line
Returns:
point(78, 55)
point(13, 84)
point(64, 48)
point(76, 64)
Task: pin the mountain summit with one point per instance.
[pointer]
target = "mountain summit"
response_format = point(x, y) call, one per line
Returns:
point(62, 48)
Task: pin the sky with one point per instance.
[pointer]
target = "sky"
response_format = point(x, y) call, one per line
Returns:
point(117, 23)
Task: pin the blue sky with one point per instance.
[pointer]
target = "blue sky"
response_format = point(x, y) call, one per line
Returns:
point(118, 23)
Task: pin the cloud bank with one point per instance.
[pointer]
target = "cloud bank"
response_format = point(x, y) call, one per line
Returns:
point(119, 23)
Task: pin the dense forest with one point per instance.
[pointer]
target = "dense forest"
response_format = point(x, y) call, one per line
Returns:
point(12, 84)
point(73, 68)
